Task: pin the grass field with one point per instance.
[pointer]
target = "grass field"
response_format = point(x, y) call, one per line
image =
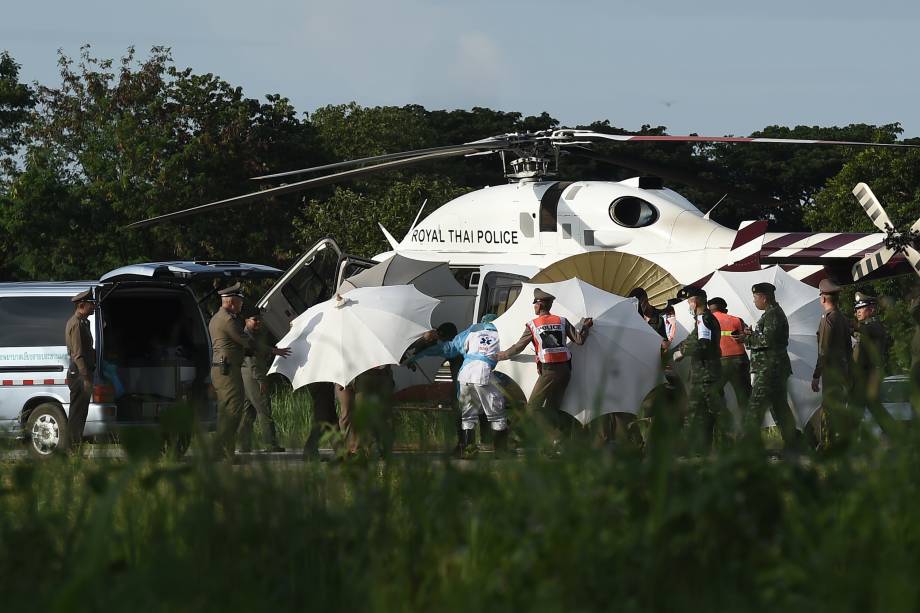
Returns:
point(587, 531)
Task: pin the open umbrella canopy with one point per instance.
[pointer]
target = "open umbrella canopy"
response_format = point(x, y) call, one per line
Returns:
point(432, 279)
point(339, 339)
point(615, 368)
point(803, 310)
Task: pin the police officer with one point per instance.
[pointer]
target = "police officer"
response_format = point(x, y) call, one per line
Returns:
point(770, 368)
point(832, 371)
point(736, 368)
point(229, 346)
point(79, 340)
point(257, 402)
point(548, 333)
point(870, 355)
point(706, 403)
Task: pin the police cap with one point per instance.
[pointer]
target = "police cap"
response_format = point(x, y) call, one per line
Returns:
point(251, 312)
point(718, 303)
point(84, 296)
point(763, 288)
point(826, 286)
point(234, 290)
point(540, 296)
point(864, 300)
point(691, 291)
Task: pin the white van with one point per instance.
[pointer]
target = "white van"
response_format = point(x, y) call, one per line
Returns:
point(152, 348)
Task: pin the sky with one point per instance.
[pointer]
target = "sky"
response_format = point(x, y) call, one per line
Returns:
point(710, 67)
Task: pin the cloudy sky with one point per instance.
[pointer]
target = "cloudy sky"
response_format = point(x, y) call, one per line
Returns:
point(710, 66)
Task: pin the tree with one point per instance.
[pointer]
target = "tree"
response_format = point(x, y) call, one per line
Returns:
point(112, 146)
point(16, 103)
point(894, 176)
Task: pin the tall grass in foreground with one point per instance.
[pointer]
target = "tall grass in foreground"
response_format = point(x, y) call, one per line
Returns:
point(588, 531)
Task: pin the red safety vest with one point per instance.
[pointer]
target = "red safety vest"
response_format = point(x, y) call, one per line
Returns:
point(730, 345)
point(549, 340)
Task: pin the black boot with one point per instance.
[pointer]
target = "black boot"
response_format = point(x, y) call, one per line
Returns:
point(467, 443)
point(500, 441)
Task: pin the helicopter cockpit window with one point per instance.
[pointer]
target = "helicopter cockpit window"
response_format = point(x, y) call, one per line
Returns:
point(633, 212)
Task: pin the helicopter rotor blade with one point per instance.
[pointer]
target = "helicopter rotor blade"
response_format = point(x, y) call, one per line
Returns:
point(561, 136)
point(672, 174)
point(872, 207)
point(300, 186)
point(485, 146)
point(913, 256)
point(872, 262)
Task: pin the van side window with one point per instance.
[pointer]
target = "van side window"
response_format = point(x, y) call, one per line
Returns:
point(34, 321)
point(499, 291)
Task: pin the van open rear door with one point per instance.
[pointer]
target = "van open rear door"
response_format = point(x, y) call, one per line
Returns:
point(312, 279)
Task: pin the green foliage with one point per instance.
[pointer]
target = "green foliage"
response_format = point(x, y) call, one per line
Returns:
point(894, 177)
point(584, 532)
point(110, 146)
point(16, 103)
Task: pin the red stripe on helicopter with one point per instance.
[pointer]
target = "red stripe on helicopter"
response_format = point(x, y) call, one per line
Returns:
point(782, 242)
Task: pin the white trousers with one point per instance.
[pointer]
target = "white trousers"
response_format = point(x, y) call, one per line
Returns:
point(486, 398)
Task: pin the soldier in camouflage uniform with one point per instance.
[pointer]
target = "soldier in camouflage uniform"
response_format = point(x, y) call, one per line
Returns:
point(770, 368)
point(706, 402)
point(257, 402)
point(869, 362)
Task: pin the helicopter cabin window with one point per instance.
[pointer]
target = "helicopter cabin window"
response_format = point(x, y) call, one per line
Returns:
point(632, 212)
point(499, 291)
point(549, 205)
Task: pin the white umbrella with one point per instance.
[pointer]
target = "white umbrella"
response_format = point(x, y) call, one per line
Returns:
point(803, 310)
point(615, 368)
point(339, 339)
point(433, 279)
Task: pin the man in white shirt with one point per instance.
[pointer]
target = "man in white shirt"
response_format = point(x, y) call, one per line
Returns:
point(477, 390)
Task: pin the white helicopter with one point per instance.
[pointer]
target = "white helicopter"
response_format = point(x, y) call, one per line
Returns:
point(616, 235)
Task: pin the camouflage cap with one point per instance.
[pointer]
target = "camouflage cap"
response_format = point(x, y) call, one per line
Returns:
point(691, 291)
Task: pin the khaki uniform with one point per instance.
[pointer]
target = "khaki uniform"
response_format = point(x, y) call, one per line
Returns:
point(837, 420)
point(373, 408)
point(230, 345)
point(256, 402)
point(323, 397)
point(79, 341)
point(546, 398)
point(869, 357)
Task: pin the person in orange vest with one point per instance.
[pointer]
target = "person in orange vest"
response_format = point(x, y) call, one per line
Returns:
point(549, 333)
point(736, 368)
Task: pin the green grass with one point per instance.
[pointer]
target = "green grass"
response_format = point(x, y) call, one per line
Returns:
point(587, 531)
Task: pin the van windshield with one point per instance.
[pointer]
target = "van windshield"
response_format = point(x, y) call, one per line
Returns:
point(34, 321)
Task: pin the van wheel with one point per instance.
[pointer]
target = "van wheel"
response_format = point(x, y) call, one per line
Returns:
point(47, 431)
